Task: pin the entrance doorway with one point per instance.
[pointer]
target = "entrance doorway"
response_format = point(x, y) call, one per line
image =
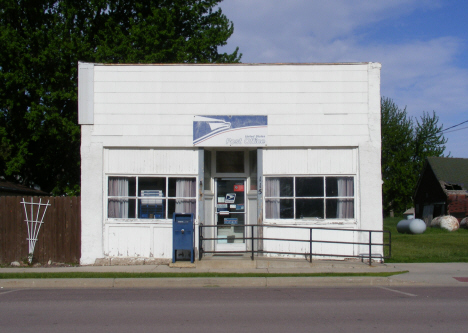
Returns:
point(230, 214)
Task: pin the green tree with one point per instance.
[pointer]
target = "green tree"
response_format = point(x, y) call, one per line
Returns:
point(396, 156)
point(405, 145)
point(428, 140)
point(41, 43)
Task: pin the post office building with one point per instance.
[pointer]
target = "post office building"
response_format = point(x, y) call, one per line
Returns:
point(257, 152)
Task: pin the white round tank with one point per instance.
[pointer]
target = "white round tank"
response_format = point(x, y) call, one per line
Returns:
point(411, 226)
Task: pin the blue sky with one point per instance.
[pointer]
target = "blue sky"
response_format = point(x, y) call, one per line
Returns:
point(421, 44)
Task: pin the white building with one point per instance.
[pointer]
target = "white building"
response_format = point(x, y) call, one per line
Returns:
point(237, 145)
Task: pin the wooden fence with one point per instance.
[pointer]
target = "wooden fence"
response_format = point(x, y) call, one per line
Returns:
point(59, 238)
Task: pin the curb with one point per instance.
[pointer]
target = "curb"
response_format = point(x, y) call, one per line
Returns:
point(56, 283)
point(247, 282)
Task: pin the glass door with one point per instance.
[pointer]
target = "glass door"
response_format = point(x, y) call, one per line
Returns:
point(230, 214)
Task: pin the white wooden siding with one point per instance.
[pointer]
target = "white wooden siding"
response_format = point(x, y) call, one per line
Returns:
point(143, 129)
point(122, 109)
point(86, 97)
point(149, 161)
point(209, 220)
point(316, 141)
point(268, 73)
point(317, 247)
point(138, 240)
point(145, 141)
point(124, 241)
point(154, 105)
point(210, 97)
point(309, 161)
point(181, 120)
point(228, 87)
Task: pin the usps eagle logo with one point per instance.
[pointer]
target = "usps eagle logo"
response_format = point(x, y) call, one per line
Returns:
point(227, 131)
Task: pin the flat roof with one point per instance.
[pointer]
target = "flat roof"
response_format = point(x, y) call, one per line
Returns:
point(239, 64)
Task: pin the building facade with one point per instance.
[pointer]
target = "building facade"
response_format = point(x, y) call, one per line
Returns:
point(236, 145)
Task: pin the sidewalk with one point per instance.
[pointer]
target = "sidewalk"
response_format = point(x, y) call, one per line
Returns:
point(430, 274)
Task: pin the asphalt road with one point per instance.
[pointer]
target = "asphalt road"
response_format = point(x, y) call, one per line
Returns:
point(363, 309)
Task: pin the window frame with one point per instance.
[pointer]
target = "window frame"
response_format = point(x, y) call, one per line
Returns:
point(246, 174)
point(216, 174)
point(165, 198)
point(294, 197)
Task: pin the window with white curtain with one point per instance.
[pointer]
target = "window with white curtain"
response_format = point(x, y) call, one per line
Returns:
point(150, 197)
point(311, 197)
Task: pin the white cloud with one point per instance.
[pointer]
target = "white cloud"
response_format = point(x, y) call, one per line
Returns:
point(279, 25)
point(420, 74)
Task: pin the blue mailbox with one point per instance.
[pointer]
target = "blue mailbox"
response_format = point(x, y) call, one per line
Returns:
point(182, 236)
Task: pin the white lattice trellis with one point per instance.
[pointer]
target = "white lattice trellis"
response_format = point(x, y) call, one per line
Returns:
point(33, 222)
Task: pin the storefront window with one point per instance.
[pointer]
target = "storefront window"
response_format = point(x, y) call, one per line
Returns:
point(309, 197)
point(150, 197)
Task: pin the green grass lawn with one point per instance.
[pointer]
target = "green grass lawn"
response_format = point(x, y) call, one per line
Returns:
point(434, 245)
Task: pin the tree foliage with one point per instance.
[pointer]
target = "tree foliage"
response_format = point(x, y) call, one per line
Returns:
point(41, 43)
point(406, 142)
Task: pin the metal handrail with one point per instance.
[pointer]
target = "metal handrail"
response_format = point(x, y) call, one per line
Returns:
point(311, 241)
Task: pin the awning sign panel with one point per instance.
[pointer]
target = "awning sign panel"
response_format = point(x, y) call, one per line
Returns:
point(230, 131)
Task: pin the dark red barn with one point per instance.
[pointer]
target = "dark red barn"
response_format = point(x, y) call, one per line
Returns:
point(442, 189)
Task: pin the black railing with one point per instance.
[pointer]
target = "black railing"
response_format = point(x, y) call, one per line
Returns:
point(386, 246)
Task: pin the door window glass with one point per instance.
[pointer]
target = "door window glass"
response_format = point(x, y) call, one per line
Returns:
point(230, 211)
